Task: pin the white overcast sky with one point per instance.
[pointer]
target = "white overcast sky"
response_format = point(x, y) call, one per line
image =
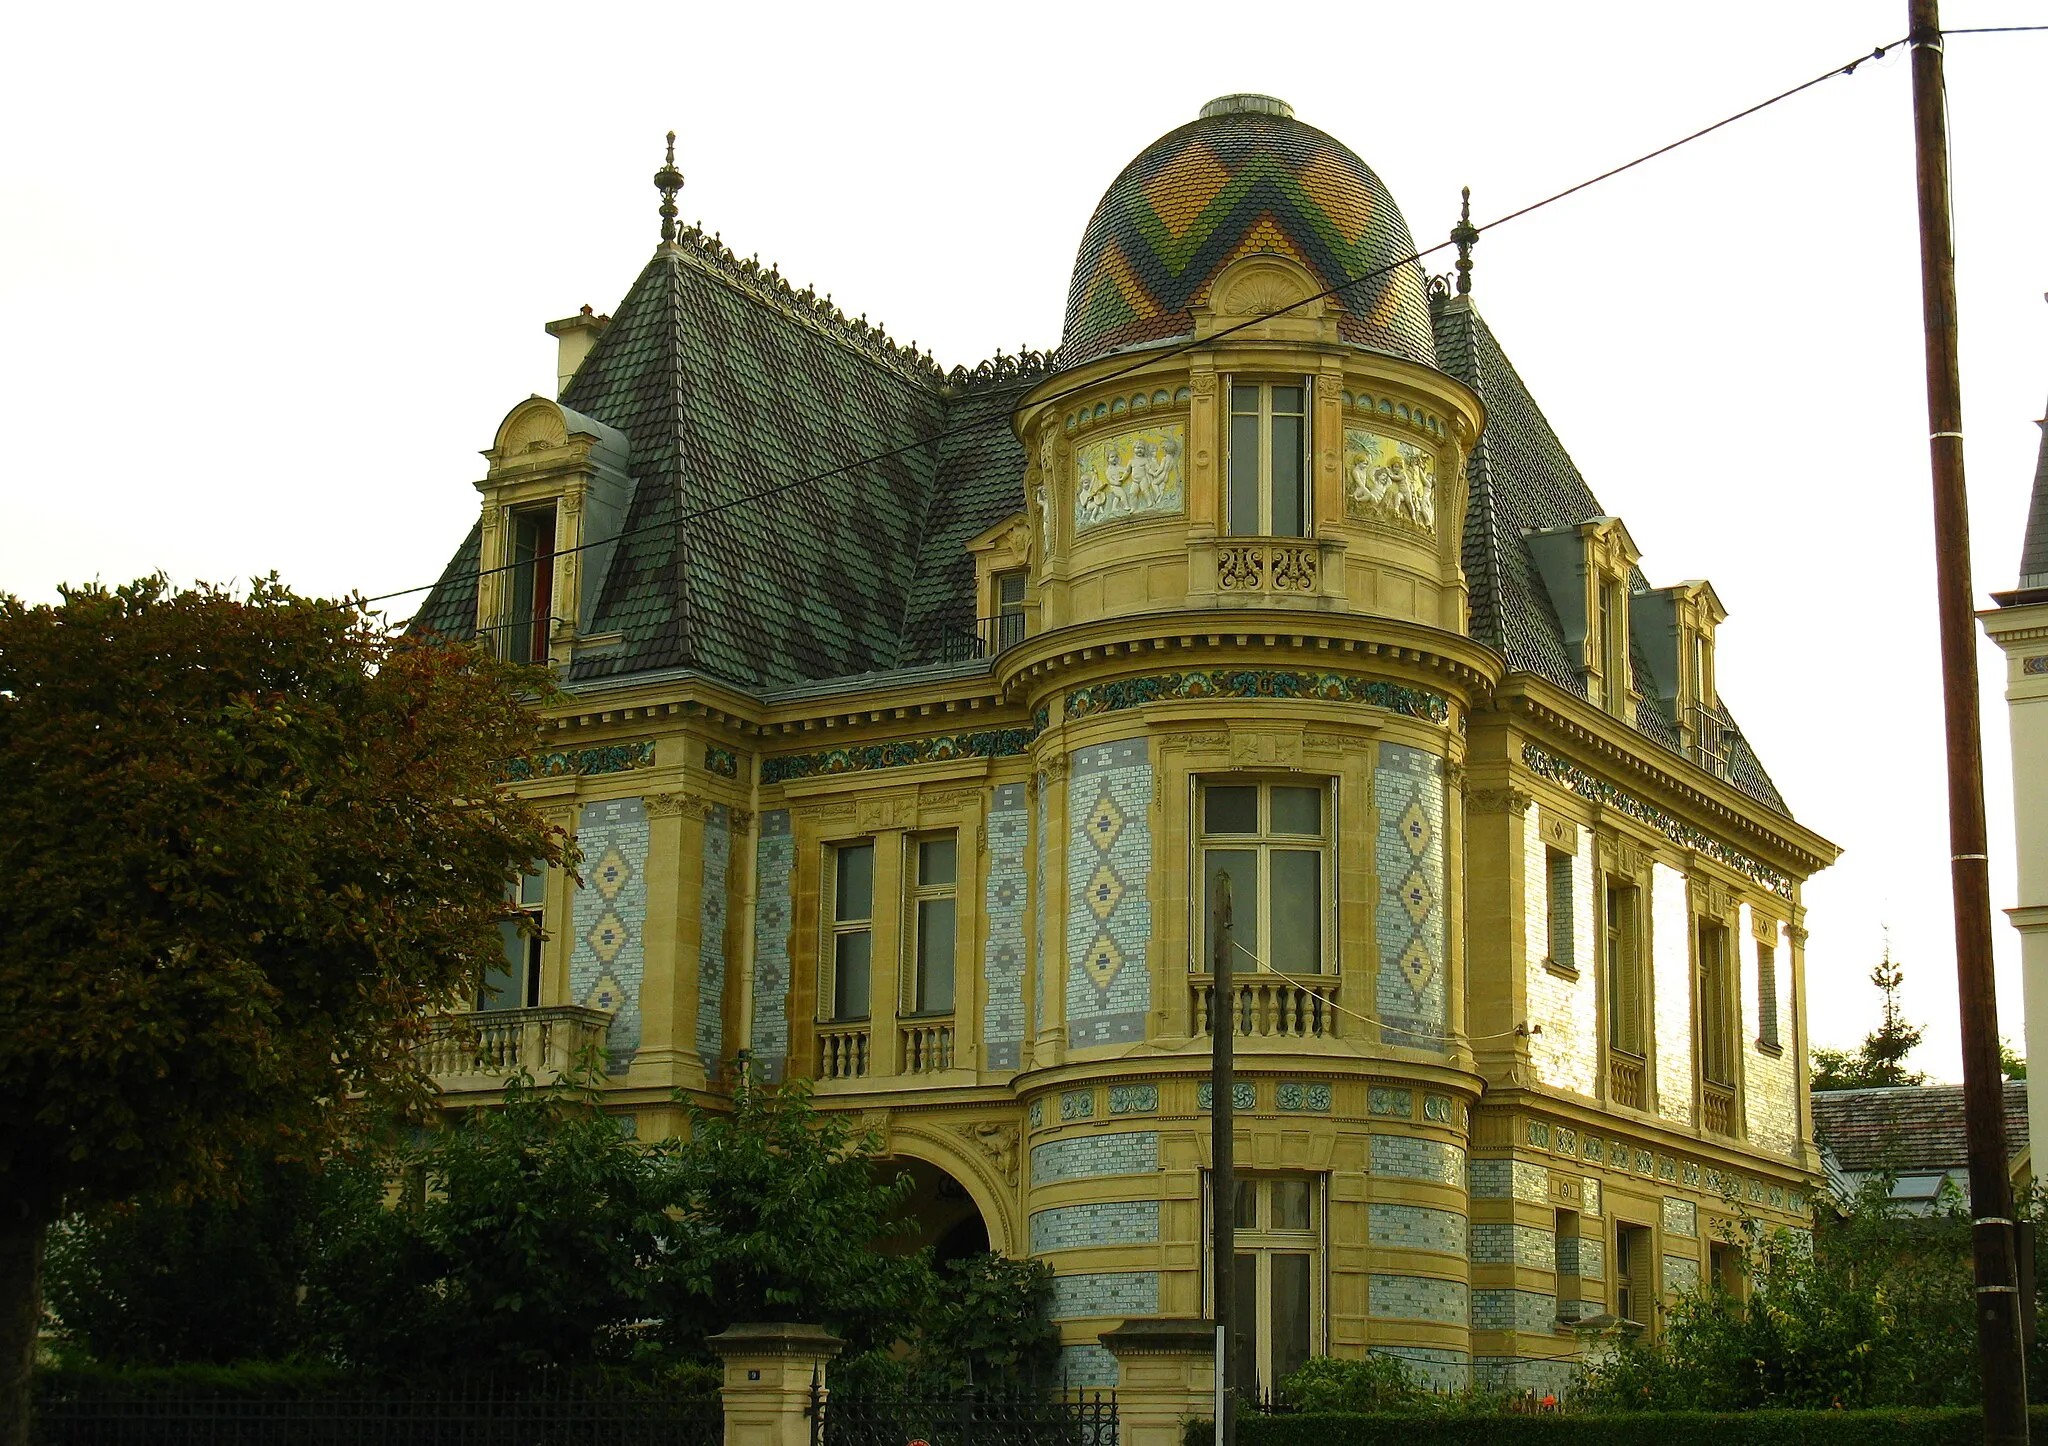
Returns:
point(274, 273)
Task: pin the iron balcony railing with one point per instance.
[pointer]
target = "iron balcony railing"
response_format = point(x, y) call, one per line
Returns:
point(1714, 736)
point(956, 640)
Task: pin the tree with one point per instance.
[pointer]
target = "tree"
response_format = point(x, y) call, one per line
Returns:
point(2011, 1065)
point(1879, 1062)
point(251, 843)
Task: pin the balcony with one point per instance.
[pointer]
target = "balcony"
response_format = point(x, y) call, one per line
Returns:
point(480, 1051)
point(1625, 1080)
point(1272, 1006)
point(1714, 736)
point(925, 1045)
point(842, 1051)
point(1717, 1108)
point(1237, 571)
point(962, 640)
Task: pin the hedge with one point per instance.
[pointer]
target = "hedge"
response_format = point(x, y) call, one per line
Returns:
point(1942, 1426)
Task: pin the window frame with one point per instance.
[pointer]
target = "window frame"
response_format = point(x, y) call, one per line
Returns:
point(1718, 1032)
point(1008, 617)
point(1264, 1242)
point(1624, 937)
point(1769, 1027)
point(1561, 914)
point(530, 896)
point(1264, 481)
point(1264, 843)
point(916, 893)
point(838, 927)
point(530, 583)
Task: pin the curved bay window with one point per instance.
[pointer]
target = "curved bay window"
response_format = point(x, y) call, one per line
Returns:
point(1268, 477)
point(1265, 871)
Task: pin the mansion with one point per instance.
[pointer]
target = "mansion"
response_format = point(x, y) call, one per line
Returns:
point(929, 735)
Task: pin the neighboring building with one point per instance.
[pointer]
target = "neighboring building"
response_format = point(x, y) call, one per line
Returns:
point(2019, 625)
point(928, 734)
point(1915, 1134)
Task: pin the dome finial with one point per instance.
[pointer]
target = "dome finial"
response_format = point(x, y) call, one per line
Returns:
point(1465, 235)
point(668, 180)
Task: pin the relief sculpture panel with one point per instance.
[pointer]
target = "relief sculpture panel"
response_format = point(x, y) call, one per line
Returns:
point(1132, 474)
point(1388, 480)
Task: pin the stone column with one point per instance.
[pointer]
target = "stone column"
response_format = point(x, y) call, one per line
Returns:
point(769, 1370)
point(1166, 1375)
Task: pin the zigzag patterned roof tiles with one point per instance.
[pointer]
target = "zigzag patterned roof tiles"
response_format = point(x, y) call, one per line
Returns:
point(1245, 177)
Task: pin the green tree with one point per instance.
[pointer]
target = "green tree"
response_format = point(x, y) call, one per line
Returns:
point(2011, 1065)
point(251, 843)
point(1880, 1061)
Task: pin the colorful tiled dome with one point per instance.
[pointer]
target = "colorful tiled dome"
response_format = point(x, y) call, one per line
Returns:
point(1245, 177)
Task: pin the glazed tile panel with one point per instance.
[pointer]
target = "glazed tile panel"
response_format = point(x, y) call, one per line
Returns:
point(608, 920)
point(1109, 906)
point(1038, 913)
point(711, 938)
point(1408, 794)
point(774, 860)
point(1002, 958)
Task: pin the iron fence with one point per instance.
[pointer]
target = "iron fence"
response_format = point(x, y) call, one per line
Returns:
point(960, 640)
point(1077, 1419)
point(459, 1417)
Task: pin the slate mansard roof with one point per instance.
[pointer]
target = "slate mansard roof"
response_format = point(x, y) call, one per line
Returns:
point(1909, 1127)
point(728, 384)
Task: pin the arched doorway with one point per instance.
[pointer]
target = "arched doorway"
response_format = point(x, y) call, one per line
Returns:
point(945, 1215)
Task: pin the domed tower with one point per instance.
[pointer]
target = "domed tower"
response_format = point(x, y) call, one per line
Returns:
point(1248, 411)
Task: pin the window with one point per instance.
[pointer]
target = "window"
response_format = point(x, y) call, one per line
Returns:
point(515, 984)
point(1264, 849)
point(533, 585)
point(1624, 969)
point(853, 928)
point(1767, 996)
point(1009, 608)
point(1614, 651)
point(1635, 1274)
point(1716, 1005)
point(931, 923)
point(1567, 1227)
point(1564, 952)
point(1724, 1267)
point(1268, 460)
point(1275, 1279)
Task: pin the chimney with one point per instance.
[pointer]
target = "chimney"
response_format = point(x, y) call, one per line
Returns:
point(577, 335)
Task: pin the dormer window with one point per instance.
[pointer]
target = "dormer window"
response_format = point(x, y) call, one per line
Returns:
point(1268, 493)
point(1587, 569)
point(1676, 629)
point(1613, 660)
point(530, 617)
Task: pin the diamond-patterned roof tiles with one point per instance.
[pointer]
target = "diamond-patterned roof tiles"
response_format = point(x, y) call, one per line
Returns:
point(1235, 181)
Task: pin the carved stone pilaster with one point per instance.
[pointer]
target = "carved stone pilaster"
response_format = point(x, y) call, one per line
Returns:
point(1498, 800)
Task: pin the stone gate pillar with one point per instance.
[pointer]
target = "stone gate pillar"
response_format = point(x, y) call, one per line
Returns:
point(1166, 1375)
point(769, 1369)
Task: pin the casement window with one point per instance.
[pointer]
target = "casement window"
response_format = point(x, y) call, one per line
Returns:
point(531, 588)
point(1276, 1279)
point(1767, 996)
point(1564, 944)
point(1614, 649)
point(515, 983)
point(1266, 872)
point(1625, 987)
point(934, 863)
point(1268, 474)
point(1009, 591)
point(853, 929)
point(1636, 1286)
point(1716, 1005)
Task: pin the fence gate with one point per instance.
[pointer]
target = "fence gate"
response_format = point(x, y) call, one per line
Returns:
point(1076, 1419)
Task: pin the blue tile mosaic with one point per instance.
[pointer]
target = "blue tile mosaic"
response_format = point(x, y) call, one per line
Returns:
point(1038, 900)
point(1077, 1105)
point(1408, 794)
point(1133, 1099)
point(1293, 1096)
point(1244, 1095)
point(774, 861)
point(1087, 1156)
point(1081, 1227)
point(1109, 908)
point(711, 903)
point(1002, 956)
point(608, 921)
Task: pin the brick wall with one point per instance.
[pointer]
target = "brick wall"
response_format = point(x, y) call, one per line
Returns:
point(1134, 1152)
point(1418, 1297)
point(1513, 1310)
point(1075, 1227)
point(1402, 1157)
point(1567, 1053)
point(1495, 1243)
point(1416, 1227)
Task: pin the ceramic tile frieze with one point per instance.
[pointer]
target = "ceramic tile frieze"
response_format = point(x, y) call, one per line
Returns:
point(774, 860)
point(611, 758)
point(1002, 958)
point(608, 920)
point(711, 906)
point(1109, 908)
point(1255, 683)
point(1408, 794)
point(866, 757)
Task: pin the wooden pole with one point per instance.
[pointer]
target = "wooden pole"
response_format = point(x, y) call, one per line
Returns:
point(1999, 1350)
point(1222, 1149)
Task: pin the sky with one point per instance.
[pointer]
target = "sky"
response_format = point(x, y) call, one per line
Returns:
point(277, 272)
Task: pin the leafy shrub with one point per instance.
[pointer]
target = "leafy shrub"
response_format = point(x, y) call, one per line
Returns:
point(1373, 1384)
point(1953, 1426)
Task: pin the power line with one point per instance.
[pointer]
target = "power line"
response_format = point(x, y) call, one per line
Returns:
point(1149, 358)
point(1995, 30)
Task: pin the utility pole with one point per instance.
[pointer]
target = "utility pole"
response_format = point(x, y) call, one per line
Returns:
point(1222, 1149)
point(1999, 1351)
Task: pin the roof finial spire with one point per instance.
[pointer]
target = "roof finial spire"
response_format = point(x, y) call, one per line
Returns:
point(1464, 235)
point(668, 180)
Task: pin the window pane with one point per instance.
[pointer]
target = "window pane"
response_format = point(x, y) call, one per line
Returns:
point(1244, 1321)
point(1288, 400)
point(504, 984)
point(532, 972)
point(533, 890)
point(1290, 1205)
point(1298, 811)
point(1010, 589)
point(1290, 1312)
point(1244, 476)
point(854, 898)
point(1297, 912)
point(935, 956)
point(1230, 810)
point(850, 976)
point(935, 861)
point(1246, 1194)
point(1230, 895)
point(1244, 399)
point(1290, 511)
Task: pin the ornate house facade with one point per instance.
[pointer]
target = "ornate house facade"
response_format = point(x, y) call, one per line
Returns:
point(929, 735)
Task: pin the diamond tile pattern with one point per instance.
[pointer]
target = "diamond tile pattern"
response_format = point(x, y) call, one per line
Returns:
point(608, 918)
point(1408, 794)
point(1109, 913)
point(1002, 1018)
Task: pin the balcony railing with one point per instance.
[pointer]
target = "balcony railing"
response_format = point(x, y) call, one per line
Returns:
point(1717, 1108)
point(1280, 567)
point(1714, 736)
point(1272, 1005)
point(523, 640)
point(481, 1051)
point(842, 1051)
point(958, 640)
point(926, 1045)
point(1625, 1080)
